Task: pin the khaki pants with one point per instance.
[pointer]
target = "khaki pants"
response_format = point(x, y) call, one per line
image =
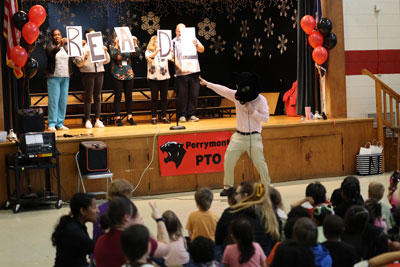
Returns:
point(239, 144)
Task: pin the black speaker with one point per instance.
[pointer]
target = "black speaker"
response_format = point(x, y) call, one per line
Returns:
point(93, 157)
point(30, 120)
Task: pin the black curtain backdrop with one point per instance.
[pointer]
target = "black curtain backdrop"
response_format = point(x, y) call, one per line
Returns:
point(305, 63)
point(239, 35)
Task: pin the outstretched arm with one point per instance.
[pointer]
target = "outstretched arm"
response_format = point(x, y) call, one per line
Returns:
point(219, 89)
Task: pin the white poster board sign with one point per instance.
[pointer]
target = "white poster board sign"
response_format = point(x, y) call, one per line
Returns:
point(74, 37)
point(164, 38)
point(95, 42)
point(125, 39)
point(189, 65)
point(187, 37)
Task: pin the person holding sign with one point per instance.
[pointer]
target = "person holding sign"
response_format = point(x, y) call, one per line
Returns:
point(187, 70)
point(92, 81)
point(123, 76)
point(158, 77)
point(59, 68)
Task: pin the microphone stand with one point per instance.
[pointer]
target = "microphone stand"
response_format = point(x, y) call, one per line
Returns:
point(177, 126)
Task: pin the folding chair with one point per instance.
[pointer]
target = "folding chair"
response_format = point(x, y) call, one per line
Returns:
point(92, 176)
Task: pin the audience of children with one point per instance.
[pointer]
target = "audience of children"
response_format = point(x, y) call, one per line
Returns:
point(305, 231)
point(367, 239)
point(178, 252)
point(118, 188)
point(248, 231)
point(136, 245)
point(202, 222)
point(245, 252)
point(347, 196)
point(121, 213)
point(315, 196)
point(318, 216)
point(376, 191)
point(342, 254)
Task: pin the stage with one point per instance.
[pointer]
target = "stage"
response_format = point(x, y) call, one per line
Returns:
point(294, 149)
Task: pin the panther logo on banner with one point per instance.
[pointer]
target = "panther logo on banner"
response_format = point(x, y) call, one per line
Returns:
point(192, 153)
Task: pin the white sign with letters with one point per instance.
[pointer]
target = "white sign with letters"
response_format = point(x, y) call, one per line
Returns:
point(164, 38)
point(188, 35)
point(74, 37)
point(125, 39)
point(95, 42)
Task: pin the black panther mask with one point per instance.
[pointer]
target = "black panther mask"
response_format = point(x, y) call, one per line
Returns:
point(247, 87)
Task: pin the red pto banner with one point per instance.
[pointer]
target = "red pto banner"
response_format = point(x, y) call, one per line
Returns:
point(192, 153)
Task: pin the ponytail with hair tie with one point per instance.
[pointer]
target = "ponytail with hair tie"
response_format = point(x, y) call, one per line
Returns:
point(260, 190)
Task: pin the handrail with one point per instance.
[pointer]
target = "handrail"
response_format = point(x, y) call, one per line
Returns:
point(385, 94)
point(387, 87)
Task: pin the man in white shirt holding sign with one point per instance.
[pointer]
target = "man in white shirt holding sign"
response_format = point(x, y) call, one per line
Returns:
point(187, 71)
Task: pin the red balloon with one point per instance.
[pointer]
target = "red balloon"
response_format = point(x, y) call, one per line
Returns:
point(307, 23)
point(320, 55)
point(30, 32)
point(37, 15)
point(19, 56)
point(315, 39)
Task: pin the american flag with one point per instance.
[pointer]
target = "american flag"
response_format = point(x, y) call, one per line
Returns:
point(11, 33)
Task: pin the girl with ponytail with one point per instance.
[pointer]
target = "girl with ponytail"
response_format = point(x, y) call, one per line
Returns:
point(244, 251)
point(254, 204)
point(70, 236)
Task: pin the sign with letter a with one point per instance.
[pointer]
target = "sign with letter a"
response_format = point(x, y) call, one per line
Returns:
point(125, 39)
point(165, 43)
point(95, 42)
point(74, 37)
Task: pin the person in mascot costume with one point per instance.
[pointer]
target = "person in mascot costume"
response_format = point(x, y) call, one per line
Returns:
point(251, 111)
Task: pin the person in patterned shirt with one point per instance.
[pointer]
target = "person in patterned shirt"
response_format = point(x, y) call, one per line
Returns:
point(122, 72)
point(158, 77)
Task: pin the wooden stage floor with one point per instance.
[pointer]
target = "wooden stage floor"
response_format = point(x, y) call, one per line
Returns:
point(294, 149)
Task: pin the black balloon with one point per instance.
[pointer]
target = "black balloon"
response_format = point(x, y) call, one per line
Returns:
point(19, 19)
point(325, 26)
point(28, 47)
point(31, 68)
point(330, 41)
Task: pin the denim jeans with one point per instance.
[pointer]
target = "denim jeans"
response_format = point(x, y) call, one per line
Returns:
point(57, 90)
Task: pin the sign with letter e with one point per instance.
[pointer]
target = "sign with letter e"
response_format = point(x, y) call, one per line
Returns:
point(192, 153)
point(95, 42)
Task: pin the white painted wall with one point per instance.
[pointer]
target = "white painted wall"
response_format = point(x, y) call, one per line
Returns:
point(365, 29)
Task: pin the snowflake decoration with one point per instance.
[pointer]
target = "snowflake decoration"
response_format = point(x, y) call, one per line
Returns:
point(218, 45)
point(238, 50)
point(257, 46)
point(142, 49)
point(282, 43)
point(294, 18)
point(269, 27)
point(273, 2)
point(245, 28)
point(207, 28)
point(150, 23)
point(65, 17)
point(284, 7)
point(258, 9)
point(44, 38)
point(231, 14)
point(108, 37)
point(129, 20)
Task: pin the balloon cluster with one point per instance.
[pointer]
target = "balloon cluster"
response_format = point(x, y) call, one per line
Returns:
point(29, 25)
point(321, 39)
